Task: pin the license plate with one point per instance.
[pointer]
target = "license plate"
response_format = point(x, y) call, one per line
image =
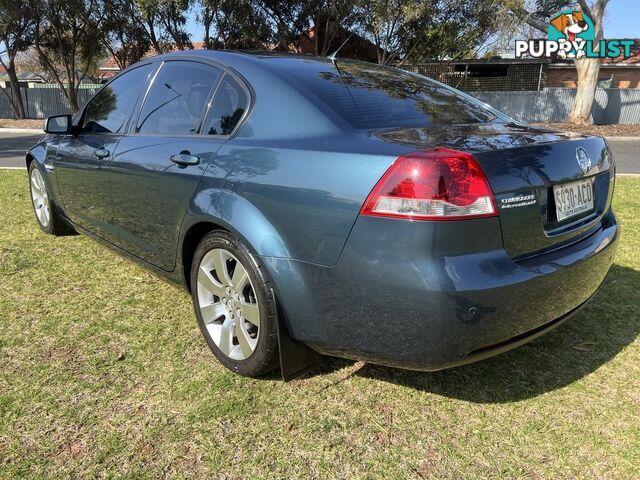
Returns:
point(573, 198)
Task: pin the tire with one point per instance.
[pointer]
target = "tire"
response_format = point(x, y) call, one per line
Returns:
point(229, 303)
point(44, 209)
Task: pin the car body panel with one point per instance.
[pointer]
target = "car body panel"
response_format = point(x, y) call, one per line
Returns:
point(522, 161)
point(311, 220)
point(151, 193)
point(85, 182)
point(44, 153)
point(424, 310)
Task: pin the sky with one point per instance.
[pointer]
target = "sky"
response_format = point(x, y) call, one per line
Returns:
point(622, 20)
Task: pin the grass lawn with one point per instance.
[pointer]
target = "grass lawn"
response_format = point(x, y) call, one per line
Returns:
point(104, 374)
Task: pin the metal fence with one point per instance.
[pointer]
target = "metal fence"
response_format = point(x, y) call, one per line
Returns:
point(612, 106)
point(486, 76)
point(42, 102)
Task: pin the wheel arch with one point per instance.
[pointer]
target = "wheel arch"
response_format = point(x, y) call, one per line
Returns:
point(196, 230)
point(38, 154)
point(294, 358)
point(190, 241)
point(215, 208)
point(28, 159)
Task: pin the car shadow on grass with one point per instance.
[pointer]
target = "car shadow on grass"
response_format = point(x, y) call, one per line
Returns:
point(589, 340)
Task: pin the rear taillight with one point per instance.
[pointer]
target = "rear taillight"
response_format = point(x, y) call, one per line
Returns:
point(439, 184)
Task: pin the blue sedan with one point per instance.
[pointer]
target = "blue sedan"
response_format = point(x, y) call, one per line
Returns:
point(325, 206)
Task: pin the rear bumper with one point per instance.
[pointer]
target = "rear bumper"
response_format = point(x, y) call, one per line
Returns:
point(488, 351)
point(388, 302)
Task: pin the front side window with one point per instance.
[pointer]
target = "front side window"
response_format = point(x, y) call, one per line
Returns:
point(109, 110)
point(177, 99)
point(229, 104)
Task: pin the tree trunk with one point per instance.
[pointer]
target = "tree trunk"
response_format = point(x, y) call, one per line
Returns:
point(153, 38)
point(73, 98)
point(16, 95)
point(206, 20)
point(588, 69)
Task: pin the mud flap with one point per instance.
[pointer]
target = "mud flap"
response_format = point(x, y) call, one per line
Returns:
point(296, 358)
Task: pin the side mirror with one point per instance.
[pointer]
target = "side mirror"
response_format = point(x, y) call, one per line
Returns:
point(58, 124)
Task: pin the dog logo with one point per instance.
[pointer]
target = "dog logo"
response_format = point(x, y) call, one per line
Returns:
point(571, 34)
point(571, 28)
point(584, 161)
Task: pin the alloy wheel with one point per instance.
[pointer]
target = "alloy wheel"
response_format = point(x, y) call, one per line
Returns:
point(40, 198)
point(228, 304)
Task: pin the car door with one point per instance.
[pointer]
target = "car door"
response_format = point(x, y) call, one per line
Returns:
point(83, 158)
point(159, 164)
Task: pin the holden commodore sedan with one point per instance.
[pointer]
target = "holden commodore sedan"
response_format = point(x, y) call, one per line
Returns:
point(333, 207)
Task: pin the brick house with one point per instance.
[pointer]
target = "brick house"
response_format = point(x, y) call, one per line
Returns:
point(357, 47)
point(618, 72)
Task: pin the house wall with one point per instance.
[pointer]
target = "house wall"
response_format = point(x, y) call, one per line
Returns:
point(623, 77)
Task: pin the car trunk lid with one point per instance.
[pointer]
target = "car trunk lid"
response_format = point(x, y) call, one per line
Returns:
point(523, 165)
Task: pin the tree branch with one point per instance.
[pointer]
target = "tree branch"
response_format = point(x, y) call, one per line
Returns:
point(529, 18)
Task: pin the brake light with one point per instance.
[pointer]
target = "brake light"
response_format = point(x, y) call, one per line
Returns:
point(439, 184)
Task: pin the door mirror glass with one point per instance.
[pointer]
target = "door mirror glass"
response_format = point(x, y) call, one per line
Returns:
point(58, 124)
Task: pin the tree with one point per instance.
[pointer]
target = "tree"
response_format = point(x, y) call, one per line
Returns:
point(165, 21)
point(17, 24)
point(238, 24)
point(384, 21)
point(67, 39)
point(319, 21)
point(206, 17)
point(428, 29)
point(125, 37)
point(588, 69)
point(456, 29)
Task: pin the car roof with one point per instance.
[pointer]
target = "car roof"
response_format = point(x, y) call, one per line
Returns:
point(259, 58)
point(254, 54)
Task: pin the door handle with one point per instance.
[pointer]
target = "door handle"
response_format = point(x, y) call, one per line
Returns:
point(185, 158)
point(101, 153)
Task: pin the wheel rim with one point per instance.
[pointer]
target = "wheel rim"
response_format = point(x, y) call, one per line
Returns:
point(40, 198)
point(228, 304)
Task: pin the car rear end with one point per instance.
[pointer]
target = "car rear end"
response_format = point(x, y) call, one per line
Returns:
point(450, 285)
point(482, 234)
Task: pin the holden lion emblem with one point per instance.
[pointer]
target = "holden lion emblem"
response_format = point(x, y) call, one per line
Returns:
point(584, 161)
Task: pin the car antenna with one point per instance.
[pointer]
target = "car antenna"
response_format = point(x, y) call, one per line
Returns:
point(334, 59)
point(334, 56)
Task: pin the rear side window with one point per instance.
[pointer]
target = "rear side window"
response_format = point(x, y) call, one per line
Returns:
point(229, 104)
point(109, 110)
point(369, 96)
point(177, 99)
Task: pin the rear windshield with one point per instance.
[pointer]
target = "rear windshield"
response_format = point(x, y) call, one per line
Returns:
point(370, 97)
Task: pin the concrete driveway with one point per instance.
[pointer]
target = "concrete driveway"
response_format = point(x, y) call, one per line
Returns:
point(13, 146)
